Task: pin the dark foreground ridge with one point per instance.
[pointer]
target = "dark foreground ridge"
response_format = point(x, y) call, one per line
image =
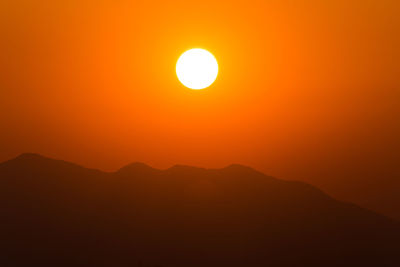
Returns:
point(55, 213)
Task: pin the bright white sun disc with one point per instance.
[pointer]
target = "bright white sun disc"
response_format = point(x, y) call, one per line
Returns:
point(197, 68)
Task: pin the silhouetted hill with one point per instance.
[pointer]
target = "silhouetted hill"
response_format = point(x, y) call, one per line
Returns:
point(55, 213)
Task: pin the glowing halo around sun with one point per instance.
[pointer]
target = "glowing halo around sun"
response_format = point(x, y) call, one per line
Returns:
point(197, 69)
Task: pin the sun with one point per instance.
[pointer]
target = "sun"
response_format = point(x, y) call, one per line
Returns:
point(197, 69)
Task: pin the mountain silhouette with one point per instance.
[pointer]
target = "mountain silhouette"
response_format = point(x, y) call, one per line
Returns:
point(55, 213)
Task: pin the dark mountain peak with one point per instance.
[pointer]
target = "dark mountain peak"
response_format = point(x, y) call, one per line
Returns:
point(137, 168)
point(31, 159)
point(33, 162)
point(233, 167)
point(239, 167)
point(30, 156)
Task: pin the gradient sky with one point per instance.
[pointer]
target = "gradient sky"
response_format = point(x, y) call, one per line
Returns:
point(307, 89)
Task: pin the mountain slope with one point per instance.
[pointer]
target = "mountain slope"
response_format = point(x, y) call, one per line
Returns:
point(58, 213)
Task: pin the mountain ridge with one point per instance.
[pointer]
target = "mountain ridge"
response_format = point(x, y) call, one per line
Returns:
point(60, 212)
point(30, 156)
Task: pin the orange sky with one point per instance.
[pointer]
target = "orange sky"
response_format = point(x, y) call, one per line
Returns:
point(306, 90)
